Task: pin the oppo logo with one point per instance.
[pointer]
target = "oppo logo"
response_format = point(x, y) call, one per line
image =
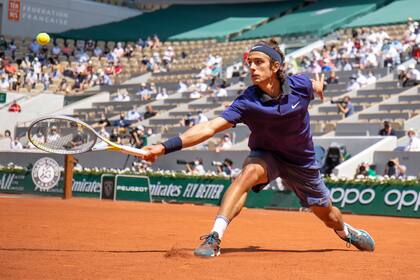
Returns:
point(351, 196)
point(404, 198)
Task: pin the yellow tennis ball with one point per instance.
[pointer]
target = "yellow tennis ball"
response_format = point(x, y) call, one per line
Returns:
point(43, 38)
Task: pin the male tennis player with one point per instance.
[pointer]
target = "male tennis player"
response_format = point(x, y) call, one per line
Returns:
point(275, 108)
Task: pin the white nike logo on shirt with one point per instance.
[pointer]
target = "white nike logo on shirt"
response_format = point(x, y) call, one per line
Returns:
point(294, 106)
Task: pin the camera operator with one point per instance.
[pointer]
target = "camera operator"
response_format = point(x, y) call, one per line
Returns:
point(344, 106)
point(193, 167)
point(137, 137)
point(224, 168)
point(394, 168)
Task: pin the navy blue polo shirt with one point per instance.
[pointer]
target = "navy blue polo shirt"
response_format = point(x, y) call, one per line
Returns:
point(278, 125)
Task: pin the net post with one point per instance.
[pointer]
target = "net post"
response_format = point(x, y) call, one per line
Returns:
point(68, 176)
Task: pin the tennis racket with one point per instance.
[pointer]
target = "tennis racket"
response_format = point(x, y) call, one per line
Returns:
point(67, 135)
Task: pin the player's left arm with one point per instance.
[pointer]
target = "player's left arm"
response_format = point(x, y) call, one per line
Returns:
point(318, 86)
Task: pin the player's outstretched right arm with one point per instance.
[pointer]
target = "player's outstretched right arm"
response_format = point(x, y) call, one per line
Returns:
point(193, 136)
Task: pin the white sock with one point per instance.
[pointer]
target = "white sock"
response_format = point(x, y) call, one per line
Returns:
point(343, 233)
point(220, 225)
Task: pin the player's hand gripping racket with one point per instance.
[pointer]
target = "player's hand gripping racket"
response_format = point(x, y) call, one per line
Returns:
point(67, 135)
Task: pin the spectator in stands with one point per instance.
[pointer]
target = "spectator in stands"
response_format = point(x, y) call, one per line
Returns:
point(103, 122)
point(15, 144)
point(122, 95)
point(138, 139)
point(162, 94)
point(345, 107)
point(353, 84)
point(225, 168)
point(196, 167)
point(387, 130)
point(149, 112)
point(3, 45)
point(393, 168)
point(412, 77)
point(15, 107)
point(115, 136)
point(371, 79)
point(4, 83)
point(144, 92)
point(225, 143)
point(182, 87)
point(195, 94)
point(413, 142)
point(97, 51)
point(201, 118)
point(12, 49)
point(38, 137)
point(133, 114)
point(122, 123)
point(7, 134)
point(361, 79)
point(332, 78)
point(365, 169)
point(53, 135)
point(221, 91)
point(188, 121)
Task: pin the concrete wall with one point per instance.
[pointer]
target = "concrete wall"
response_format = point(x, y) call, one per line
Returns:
point(32, 108)
point(58, 15)
point(348, 168)
point(410, 159)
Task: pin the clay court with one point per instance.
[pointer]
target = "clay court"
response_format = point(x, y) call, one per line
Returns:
point(50, 238)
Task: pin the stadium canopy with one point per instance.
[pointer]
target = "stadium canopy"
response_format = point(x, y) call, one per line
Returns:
point(318, 18)
point(184, 22)
point(396, 12)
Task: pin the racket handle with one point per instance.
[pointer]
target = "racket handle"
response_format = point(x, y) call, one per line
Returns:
point(132, 151)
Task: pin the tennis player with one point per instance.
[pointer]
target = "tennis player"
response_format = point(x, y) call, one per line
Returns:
point(275, 108)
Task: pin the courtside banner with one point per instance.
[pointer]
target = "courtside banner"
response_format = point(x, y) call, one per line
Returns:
point(199, 190)
point(386, 200)
point(84, 185)
point(131, 187)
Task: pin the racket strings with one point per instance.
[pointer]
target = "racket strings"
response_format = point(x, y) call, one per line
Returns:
point(61, 136)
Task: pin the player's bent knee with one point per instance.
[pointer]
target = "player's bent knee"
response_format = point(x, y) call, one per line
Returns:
point(254, 173)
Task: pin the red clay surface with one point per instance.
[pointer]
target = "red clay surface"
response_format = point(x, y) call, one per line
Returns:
point(49, 238)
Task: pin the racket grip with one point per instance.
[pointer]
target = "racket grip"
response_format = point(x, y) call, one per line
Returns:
point(132, 151)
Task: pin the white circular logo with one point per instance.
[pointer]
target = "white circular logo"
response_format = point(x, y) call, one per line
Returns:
point(45, 174)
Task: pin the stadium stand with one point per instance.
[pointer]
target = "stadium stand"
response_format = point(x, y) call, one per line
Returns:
point(184, 22)
point(394, 13)
point(316, 19)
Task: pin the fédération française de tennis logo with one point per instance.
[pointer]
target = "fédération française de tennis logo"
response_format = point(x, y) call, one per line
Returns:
point(45, 174)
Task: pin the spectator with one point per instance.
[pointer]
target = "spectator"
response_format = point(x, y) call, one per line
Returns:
point(412, 78)
point(53, 135)
point(195, 94)
point(365, 169)
point(138, 139)
point(387, 130)
point(182, 87)
point(196, 167)
point(371, 79)
point(345, 107)
point(393, 168)
point(201, 118)
point(122, 123)
point(162, 94)
point(225, 143)
point(332, 78)
point(189, 120)
point(413, 142)
point(133, 114)
point(353, 84)
point(221, 91)
point(16, 145)
point(225, 168)
point(15, 107)
point(149, 112)
point(115, 136)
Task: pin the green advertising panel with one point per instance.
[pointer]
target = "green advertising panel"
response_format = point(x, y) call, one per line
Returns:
point(12, 182)
point(200, 190)
point(3, 97)
point(130, 187)
point(386, 200)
